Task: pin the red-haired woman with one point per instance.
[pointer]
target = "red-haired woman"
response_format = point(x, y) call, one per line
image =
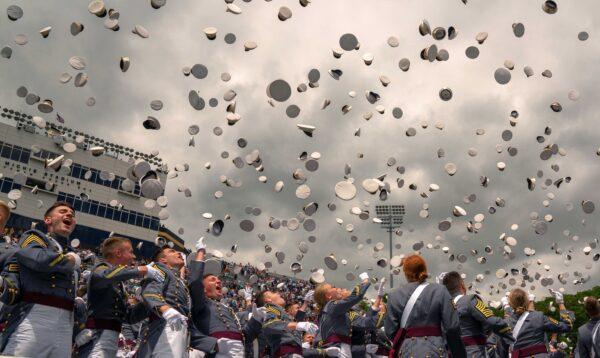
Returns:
point(417, 314)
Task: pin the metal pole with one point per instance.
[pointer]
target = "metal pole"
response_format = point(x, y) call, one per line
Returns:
point(389, 262)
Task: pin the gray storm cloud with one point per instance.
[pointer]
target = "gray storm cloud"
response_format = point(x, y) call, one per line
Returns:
point(288, 50)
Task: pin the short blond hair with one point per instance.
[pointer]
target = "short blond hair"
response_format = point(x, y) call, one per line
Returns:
point(321, 294)
point(111, 244)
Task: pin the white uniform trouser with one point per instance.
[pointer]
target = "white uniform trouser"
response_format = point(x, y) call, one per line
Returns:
point(345, 351)
point(232, 348)
point(45, 332)
point(106, 346)
point(171, 343)
point(194, 353)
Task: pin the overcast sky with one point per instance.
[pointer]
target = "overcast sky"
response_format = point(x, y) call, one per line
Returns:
point(289, 50)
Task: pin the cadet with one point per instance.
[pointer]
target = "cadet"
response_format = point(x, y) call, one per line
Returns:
point(9, 277)
point(475, 317)
point(364, 327)
point(169, 303)
point(107, 305)
point(530, 327)
point(48, 278)
point(584, 334)
point(299, 312)
point(220, 332)
point(419, 310)
point(334, 322)
point(284, 336)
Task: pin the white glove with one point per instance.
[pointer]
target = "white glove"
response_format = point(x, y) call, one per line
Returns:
point(248, 293)
point(504, 302)
point(84, 337)
point(175, 319)
point(310, 295)
point(259, 314)
point(332, 351)
point(307, 327)
point(440, 278)
point(558, 296)
point(371, 348)
point(77, 264)
point(85, 274)
point(531, 297)
point(200, 245)
point(305, 345)
point(153, 273)
point(381, 289)
point(363, 276)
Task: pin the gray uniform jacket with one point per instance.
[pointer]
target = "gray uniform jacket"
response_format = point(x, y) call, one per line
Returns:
point(584, 339)
point(210, 316)
point(476, 319)
point(535, 326)
point(275, 329)
point(173, 292)
point(10, 294)
point(43, 267)
point(363, 327)
point(107, 299)
point(334, 321)
point(433, 308)
point(43, 271)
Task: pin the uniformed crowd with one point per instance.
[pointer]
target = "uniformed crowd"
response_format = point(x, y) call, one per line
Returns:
point(180, 310)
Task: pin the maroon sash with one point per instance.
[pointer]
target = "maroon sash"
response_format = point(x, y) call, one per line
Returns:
point(229, 335)
point(335, 338)
point(474, 340)
point(528, 351)
point(287, 349)
point(97, 323)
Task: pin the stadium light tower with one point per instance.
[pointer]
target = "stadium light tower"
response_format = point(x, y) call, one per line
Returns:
point(391, 218)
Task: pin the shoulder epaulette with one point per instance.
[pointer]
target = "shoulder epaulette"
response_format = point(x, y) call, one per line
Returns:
point(481, 307)
point(273, 311)
point(100, 267)
point(352, 315)
point(115, 271)
point(33, 238)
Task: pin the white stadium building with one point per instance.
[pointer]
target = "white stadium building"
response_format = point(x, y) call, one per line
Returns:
point(101, 184)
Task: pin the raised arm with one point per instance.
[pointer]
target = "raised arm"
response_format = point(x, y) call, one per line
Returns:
point(391, 318)
point(482, 313)
point(196, 277)
point(103, 275)
point(341, 307)
point(563, 325)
